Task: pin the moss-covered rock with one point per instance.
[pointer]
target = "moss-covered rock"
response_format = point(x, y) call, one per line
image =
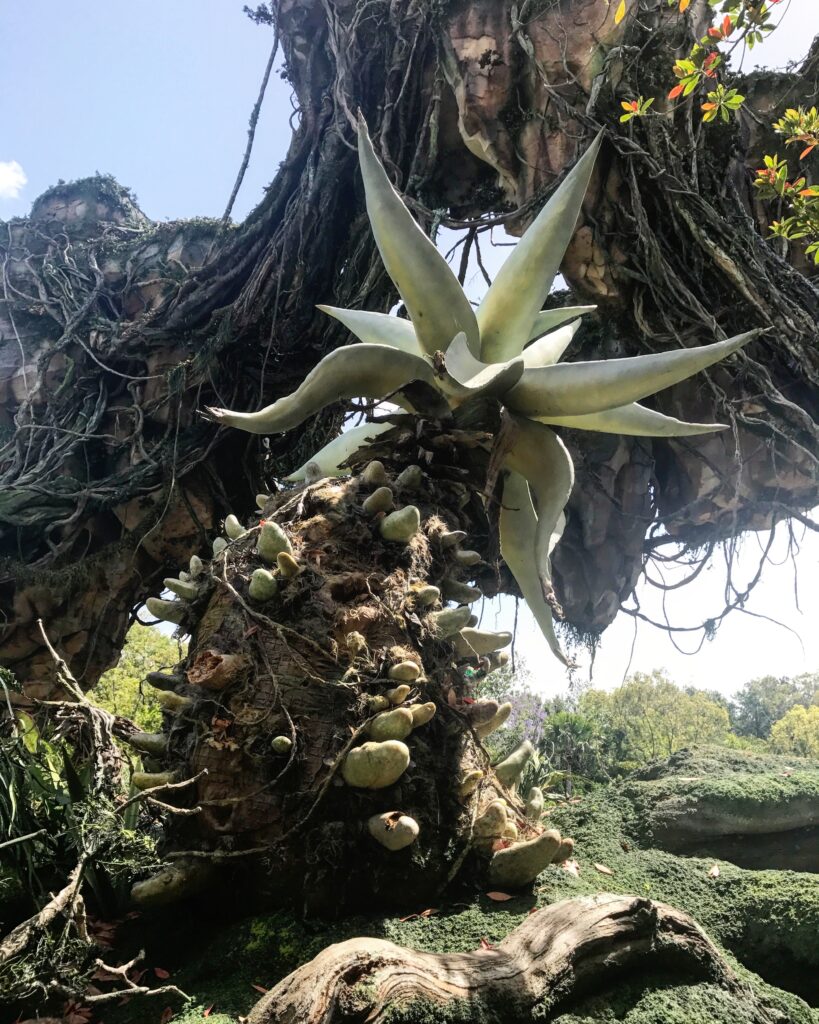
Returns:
point(766, 921)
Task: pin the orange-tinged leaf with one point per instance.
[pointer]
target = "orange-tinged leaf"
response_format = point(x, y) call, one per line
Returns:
point(208, 1011)
point(620, 13)
point(499, 897)
point(805, 152)
point(675, 92)
point(603, 869)
point(684, 6)
point(627, 106)
point(713, 872)
point(727, 25)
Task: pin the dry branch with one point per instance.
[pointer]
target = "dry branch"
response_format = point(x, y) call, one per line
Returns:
point(555, 955)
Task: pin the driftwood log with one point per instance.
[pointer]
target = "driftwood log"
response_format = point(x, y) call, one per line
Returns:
point(558, 954)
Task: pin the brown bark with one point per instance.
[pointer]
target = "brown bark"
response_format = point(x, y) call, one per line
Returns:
point(110, 478)
point(555, 956)
point(308, 664)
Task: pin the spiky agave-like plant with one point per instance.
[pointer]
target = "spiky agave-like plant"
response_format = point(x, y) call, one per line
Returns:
point(328, 688)
point(508, 349)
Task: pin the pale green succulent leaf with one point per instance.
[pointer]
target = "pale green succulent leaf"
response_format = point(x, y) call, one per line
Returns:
point(435, 301)
point(366, 371)
point(548, 319)
point(477, 377)
point(574, 389)
point(538, 455)
point(546, 351)
point(509, 309)
point(634, 420)
point(517, 528)
point(378, 328)
point(329, 459)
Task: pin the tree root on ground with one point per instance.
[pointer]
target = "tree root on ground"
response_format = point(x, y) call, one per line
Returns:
point(557, 954)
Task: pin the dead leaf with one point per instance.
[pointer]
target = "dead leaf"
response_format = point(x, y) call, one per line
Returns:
point(713, 872)
point(499, 897)
point(572, 867)
point(428, 912)
point(167, 1013)
point(451, 699)
point(486, 944)
point(259, 988)
point(160, 972)
point(603, 869)
point(625, 845)
point(207, 1013)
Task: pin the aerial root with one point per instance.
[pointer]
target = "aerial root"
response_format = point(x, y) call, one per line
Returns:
point(556, 954)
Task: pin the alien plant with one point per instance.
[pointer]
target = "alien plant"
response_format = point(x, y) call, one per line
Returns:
point(334, 645)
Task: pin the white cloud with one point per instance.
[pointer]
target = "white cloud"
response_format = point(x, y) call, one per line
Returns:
point(12, 179)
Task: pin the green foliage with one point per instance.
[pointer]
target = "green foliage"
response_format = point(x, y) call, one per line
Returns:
point(762, 702)
point(797, 732)
point(649, 716)
point(120, 690)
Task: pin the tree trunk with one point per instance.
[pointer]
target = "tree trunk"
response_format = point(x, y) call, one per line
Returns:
point(116, 331)
point(278, 691)
point(558, 955)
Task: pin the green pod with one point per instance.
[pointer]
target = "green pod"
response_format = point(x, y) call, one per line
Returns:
point(188, 591)
point(155, 743)
point(219, 545)
point(410, 479)
point(393, 830)
point(426, 596)
point(172, 701)
point(470, 782)
point(263, 585)
point(404, 672)
point(391, 725)
point(272, 540)
point(196, 566)
point(470, 642)
point(399, 694)
point(466, 559)
point(534, 804)
point(422, 713)
point(494, 723)
point(452, 590)
point(509, 771)
point(448, 621)
point(400, 526)
point(288, 567)
point(375, 765)
point(281, 744)
point(490, 824)
point(374, 474)
point(379, 501)
point(233, 528)
point(150, 780)
point(520, 864)
point(170, 611)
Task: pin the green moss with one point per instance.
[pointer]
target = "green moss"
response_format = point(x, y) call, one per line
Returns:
point(769, 919)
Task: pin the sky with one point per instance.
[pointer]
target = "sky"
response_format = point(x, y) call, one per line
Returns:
point(158, 94)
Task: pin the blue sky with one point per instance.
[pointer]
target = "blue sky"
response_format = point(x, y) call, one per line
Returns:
point(158, 94)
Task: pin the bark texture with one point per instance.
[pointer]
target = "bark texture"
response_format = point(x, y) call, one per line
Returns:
point(115, 331)
point(557, 955)
point(315, 666)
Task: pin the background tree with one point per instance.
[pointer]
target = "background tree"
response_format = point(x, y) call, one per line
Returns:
point(125, 327)
point(797, 732)
point(762, 702)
